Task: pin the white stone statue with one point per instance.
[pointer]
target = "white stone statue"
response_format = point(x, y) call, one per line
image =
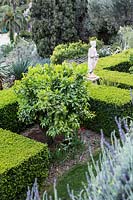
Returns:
point(92, 59)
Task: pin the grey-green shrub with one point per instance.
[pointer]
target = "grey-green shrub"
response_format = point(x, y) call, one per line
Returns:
point(113, 180)
point(20, 67)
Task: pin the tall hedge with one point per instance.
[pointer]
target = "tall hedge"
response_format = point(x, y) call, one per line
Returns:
point(21, 161)
point(56, 22)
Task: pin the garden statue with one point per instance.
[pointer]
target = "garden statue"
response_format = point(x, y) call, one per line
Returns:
point(92, 59)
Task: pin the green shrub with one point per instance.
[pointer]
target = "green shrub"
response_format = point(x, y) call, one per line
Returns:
point(54, 96)
point(117, 79)
point(21, 161)
point(113, 60)
point(8, 111)
point(106, 101)
point(68, 51)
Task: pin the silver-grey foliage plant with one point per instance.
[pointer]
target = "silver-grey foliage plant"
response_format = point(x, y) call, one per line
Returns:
point(114, 170)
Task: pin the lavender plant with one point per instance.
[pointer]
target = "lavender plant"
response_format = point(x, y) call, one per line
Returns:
point(33, 194)
point(114, 170)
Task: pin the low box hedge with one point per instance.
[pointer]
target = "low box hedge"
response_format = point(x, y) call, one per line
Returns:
point(114, 60)
point(8, 111)
point(107, 102)
point(114, 78)
point(21, 161)
point(120, 64)
point(122, 67)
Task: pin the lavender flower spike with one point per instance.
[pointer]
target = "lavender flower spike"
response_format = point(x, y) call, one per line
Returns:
point(121, 132)
point(104, 142)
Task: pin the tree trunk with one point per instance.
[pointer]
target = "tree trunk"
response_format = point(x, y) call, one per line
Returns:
point(49, 139)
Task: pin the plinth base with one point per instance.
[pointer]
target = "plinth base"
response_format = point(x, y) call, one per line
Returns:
point(93, 79)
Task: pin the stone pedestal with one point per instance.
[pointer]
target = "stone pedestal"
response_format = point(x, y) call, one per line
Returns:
point(93, 79)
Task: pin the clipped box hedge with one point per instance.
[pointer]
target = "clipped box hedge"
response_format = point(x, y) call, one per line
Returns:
point(114, 60)
point(120, 65)
point(8, 111)
point(107, 102)
point(21, 161)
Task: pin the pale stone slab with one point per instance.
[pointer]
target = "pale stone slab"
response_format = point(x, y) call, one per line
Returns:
point(93, 79)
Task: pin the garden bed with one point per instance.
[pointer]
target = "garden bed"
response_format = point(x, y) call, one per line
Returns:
point(60, 167)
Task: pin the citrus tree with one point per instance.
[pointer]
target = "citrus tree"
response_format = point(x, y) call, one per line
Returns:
point(56, 97)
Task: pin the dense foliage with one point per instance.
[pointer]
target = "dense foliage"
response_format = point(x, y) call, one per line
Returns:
point(21, 161)
point(56, 97)
point(68, 51)
point(57, 22)
point(106, 17)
